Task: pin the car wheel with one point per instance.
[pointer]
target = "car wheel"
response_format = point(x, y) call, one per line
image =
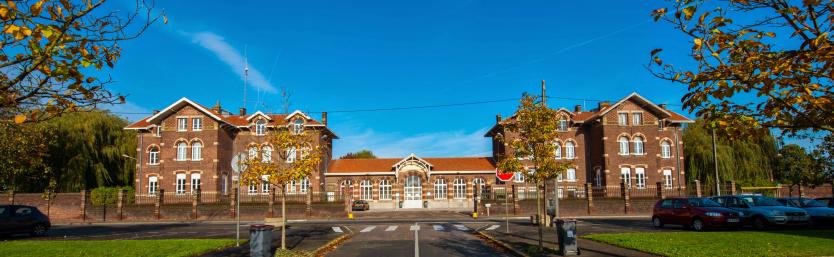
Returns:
point(656, 222)
point(38, 230)
point(697, 225)
point(759, 223)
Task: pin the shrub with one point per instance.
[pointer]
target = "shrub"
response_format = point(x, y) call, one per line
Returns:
point(109, 195)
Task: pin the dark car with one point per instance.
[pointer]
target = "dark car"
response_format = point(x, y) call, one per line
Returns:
point(820, 213)
point(762, 212)
point(360, 205)
point(695, 213)
point(829, 201)
point(17, 219)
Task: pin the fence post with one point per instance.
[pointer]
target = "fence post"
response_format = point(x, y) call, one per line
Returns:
point(233, 202)
point(160, 197)
point(697, 188)
point(515, 200)
point(120, 204)
point(733, 187)
point(195, 200)
point(660, 193)
point(83, 205)
point(625, 193)
point(589, 194)
point(309, 209)
point(271, 211)
point(11, 197)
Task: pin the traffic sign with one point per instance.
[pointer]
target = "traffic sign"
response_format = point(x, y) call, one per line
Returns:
point(503, 176)
point(239, 163)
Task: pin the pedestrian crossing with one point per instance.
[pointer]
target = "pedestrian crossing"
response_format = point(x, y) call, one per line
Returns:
point(435, 227)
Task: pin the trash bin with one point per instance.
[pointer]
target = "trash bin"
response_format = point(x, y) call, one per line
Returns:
point(401, 204)
point(425, 204)
point(260, 240)
point(566, 232)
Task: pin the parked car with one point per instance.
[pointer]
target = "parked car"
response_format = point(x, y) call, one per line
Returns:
point(17, 219)
point(820, 213)
point(762, 212)
point(360, 205)
point(695, 213)
point(829, 201)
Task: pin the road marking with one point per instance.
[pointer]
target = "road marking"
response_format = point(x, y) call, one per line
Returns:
point(368, 229)
point(493, 227)
point(461, 227)
point(438, 227)
point(337, 229)
point(391, 228)
point(415, 227)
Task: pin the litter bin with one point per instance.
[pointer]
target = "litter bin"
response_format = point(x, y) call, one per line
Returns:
point(260, 240)
point(566, 232)
point(425, 204)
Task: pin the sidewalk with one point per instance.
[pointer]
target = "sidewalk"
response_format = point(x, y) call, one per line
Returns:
point(524, 239)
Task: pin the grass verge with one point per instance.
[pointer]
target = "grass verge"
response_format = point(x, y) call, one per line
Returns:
point(122, 248)
point(731, 243)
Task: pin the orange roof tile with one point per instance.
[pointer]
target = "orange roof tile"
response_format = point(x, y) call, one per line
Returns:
point(386, 164)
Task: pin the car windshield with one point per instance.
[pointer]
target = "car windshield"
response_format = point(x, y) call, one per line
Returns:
point(761, 201)
point(812, 203)
point(703, 202)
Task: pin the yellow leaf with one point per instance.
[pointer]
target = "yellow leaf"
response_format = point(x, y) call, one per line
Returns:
point(19, 119)
point(4, 12)
point(36, 8)
point(688, 12)
point(698, 42)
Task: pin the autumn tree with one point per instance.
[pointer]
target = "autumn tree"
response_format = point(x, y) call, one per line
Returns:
point(361, 154)
point(798, 168)
point(54, 55)
point(23, 151)
point(299, 155)
point(754, 63)
point(533, 131)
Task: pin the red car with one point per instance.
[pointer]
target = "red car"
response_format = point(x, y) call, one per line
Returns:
point(695, 213)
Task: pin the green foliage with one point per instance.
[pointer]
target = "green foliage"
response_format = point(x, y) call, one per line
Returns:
point(361, 154)
point(748, 161)
point(22, 152)
point(109, 195)
point(796, 167)
point(122, 248)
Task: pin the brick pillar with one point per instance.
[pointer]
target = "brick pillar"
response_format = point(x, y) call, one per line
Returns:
point(346, 192)
point(160, 199)
point(590, 196)
point(733, 187)
point(271, 209)
point(233, 202)
point(375, 190)
point(801, 193)
point(515, 200)
point(11, 197)
point(309, 208)
point(660, 192)
point(624, 191)
point(83, 205)
point(450, 192)
point(697, 188)
point(120, 204)
point(355, 192)
point(195, 201)
point(395, 188)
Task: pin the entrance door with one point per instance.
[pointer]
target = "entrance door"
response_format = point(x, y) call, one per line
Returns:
point(413, 192)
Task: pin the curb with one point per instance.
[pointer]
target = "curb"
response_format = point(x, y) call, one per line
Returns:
point(327, 247)
point(502, 244)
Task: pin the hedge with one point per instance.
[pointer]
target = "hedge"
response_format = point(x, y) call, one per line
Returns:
point(109, 195)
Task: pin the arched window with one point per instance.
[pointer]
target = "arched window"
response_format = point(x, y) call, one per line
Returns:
point(563, 124)
point(665, 149)
point(153, 155)
point(570, 152)
point(638, 145)
point(384, 190)
point(298, 126)
point(440, 189)
point(346, 187)
point(260, 127)
point(253, 152)
point(478, 184)
point(557, 150)
point(623, 145)
point(266, 155)
point(460, 188)
point(291, 153)
point(196, 151)
point(182, 151)
point(366, 190)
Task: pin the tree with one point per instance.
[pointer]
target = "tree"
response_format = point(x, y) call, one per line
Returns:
point(824, 154)
point(534, 130)
point(797, 168)
point(748, 161)
point(307, 157)
point(361, 154)
point(52, 54)
point(756, 63)
point(22, 153)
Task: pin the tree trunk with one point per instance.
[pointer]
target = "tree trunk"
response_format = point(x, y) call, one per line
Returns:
point(283, 218)
point(539, 217)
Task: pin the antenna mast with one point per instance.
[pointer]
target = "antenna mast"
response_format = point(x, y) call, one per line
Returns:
point(245, 73)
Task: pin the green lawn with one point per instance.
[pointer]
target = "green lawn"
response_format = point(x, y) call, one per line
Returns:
point(126, 248)
point(731, 243)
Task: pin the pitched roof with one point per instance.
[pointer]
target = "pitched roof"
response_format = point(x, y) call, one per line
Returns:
point(387, 164)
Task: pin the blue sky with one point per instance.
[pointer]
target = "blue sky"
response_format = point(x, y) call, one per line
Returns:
point(347, 55)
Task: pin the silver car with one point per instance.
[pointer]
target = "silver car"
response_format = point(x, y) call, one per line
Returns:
point(762, 212)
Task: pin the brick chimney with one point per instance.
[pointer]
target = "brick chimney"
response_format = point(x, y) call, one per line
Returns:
point(324, 118)
point(242, 111)
point(604, 104)
point(498, 118)
point(663, 106)
point(577, 108)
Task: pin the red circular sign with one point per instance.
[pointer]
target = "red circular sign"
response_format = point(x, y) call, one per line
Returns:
point(503, 176)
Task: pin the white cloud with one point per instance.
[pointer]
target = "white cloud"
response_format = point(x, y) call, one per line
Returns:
point(232, 57)
point(435, 144)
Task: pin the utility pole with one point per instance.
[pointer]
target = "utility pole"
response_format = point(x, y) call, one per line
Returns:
point(715, 161)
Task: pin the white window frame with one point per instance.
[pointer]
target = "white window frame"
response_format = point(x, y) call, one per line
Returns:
point(622, 141)
point(266, 154)
point(260, 127)
point(640, 176)
point(291, 154)
point(366, 188)
point(196, 124)
point(384, 190)
point(182, 151)
point(153, 185)
point(179, 185)
point(637, 119)
point(305, 184)
point(265, 186)
point(459, 185)
point(665, 149)
point(625, 176)
point(521, 193)
point(667, 178)
point(571, 174)
point(518, 177)
point(253, 188)
point(225, 183)
point(622, 118)
point(440, 189)
point(196, 183)
point(253, 152)
point(158, 130)
point(639, 145)
point(598, 178)
point(196, 151)
point(182, 124)
point(291, 187)
point(153, 156)
point(476, 182)
point(298, 126)
point(557, 150)
point(563, 124)
point(570, 150)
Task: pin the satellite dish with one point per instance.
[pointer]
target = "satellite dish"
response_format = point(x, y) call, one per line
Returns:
point(239, 163)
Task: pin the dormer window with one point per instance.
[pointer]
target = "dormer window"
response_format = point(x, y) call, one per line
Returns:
point(260, 127)
point(298, 126)
point(563, 124)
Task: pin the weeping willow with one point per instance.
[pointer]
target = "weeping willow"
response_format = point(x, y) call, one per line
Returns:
point(748, 162)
